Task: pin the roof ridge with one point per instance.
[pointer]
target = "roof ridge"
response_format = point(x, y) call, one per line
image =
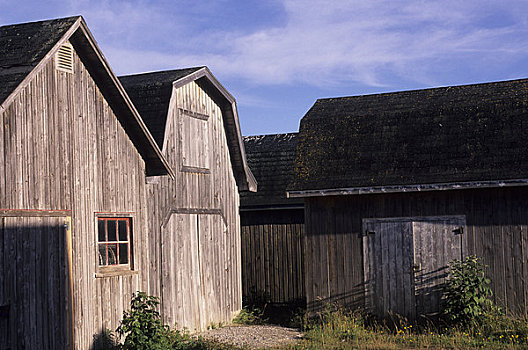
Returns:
point(279, 134)
point(42, 21)
point(161, 71)
point(438, 88)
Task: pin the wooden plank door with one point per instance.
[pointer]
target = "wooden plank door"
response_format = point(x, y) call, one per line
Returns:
point(35, 293)
point(437, 241)
point(406, 262)
point(388, 266)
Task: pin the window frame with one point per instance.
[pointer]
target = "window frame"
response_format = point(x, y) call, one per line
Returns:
point(116, 269)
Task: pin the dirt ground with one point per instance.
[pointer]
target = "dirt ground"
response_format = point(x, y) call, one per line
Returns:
point(254, 337)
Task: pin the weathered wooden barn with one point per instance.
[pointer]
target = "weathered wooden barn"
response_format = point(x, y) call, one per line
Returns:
point(194, 223)
point(90, 208)
point(75, 156)
point(272, 225)
point(398, 184)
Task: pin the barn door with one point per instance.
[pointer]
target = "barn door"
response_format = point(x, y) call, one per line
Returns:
point(35, 292)
point(436, 242)
point(390, 284)
point(405, 262)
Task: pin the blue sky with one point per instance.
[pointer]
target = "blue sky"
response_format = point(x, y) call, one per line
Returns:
point(278, 56)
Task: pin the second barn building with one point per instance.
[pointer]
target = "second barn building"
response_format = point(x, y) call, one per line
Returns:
point(194, 223)
point(397, 185)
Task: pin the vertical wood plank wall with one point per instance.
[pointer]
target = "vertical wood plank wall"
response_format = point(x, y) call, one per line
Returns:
point(196, 257)
point(497, 231)
point(63, 149)
point(272, 255)
point(272, 262)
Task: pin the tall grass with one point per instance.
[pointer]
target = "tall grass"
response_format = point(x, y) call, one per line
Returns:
point(340, 329)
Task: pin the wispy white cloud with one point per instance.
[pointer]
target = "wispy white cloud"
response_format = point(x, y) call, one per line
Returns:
point(320, 43)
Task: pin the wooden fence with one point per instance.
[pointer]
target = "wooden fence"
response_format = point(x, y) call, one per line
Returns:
point(272, 262)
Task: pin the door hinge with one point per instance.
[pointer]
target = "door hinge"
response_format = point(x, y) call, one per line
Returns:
point(367, 232)
point(458, 230)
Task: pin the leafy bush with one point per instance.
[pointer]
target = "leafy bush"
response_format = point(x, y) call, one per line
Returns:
point(250, 316)
point(467, 293)
point(142, 326)
point(143, 329)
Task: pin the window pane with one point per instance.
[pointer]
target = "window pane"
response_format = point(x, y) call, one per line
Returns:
point(111, 227)
point(101, 230)
point(123, 253)
point(123, 230)
point(112, 254)
point(102, 254)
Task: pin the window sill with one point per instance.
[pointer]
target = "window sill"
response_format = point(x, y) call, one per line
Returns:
point(115, 273)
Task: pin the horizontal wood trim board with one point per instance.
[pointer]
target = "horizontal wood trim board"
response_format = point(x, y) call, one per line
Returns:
point(191, 169)
point(194, 114)
point(408, 188)
point(112, 214)
point(196, 211)
point(33, 212)
point(415, 218)
point(116, 273)
point(297, 207)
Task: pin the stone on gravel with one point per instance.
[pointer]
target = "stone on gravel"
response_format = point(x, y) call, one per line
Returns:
point(254, 337)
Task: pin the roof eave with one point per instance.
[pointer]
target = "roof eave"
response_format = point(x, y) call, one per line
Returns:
point(244, 177)
point(406, 188)
point(155, 162)
point(41, 63)
point(81, 38)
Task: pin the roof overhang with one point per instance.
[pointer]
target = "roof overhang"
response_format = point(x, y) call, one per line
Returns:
point(90, 54)
point(206, 80)
point(407, 188)
point(113, 91)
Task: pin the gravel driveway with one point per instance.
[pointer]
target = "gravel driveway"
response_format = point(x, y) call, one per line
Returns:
point(254, 337)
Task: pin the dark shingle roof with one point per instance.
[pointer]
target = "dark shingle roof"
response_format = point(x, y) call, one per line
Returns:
point(150, 93)
point(23, 46)
point(271, 160)
point(450, 134)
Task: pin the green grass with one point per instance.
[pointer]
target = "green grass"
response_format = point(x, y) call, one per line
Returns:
point(343, 330)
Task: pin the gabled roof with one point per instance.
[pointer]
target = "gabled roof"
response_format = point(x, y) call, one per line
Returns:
point(25, 47)
point(271, 160)
point(455, 137)
point(151, 93)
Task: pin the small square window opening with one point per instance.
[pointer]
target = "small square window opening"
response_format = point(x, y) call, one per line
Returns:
point(114, 238)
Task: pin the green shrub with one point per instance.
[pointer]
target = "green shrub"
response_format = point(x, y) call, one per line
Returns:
point(250, 316)
point(467, 293)
point(142, 326)
point(143, 329)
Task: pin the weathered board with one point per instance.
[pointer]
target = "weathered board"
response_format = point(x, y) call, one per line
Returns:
point(35, 292)
point(406, 261)
point(496, 231)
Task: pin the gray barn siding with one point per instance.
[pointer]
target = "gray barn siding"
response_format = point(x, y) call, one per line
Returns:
point(63, 149)
point(200, 271)
point(272, 255)
point(496, 231)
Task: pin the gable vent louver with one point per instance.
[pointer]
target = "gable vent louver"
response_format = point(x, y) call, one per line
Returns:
point(64, 58)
